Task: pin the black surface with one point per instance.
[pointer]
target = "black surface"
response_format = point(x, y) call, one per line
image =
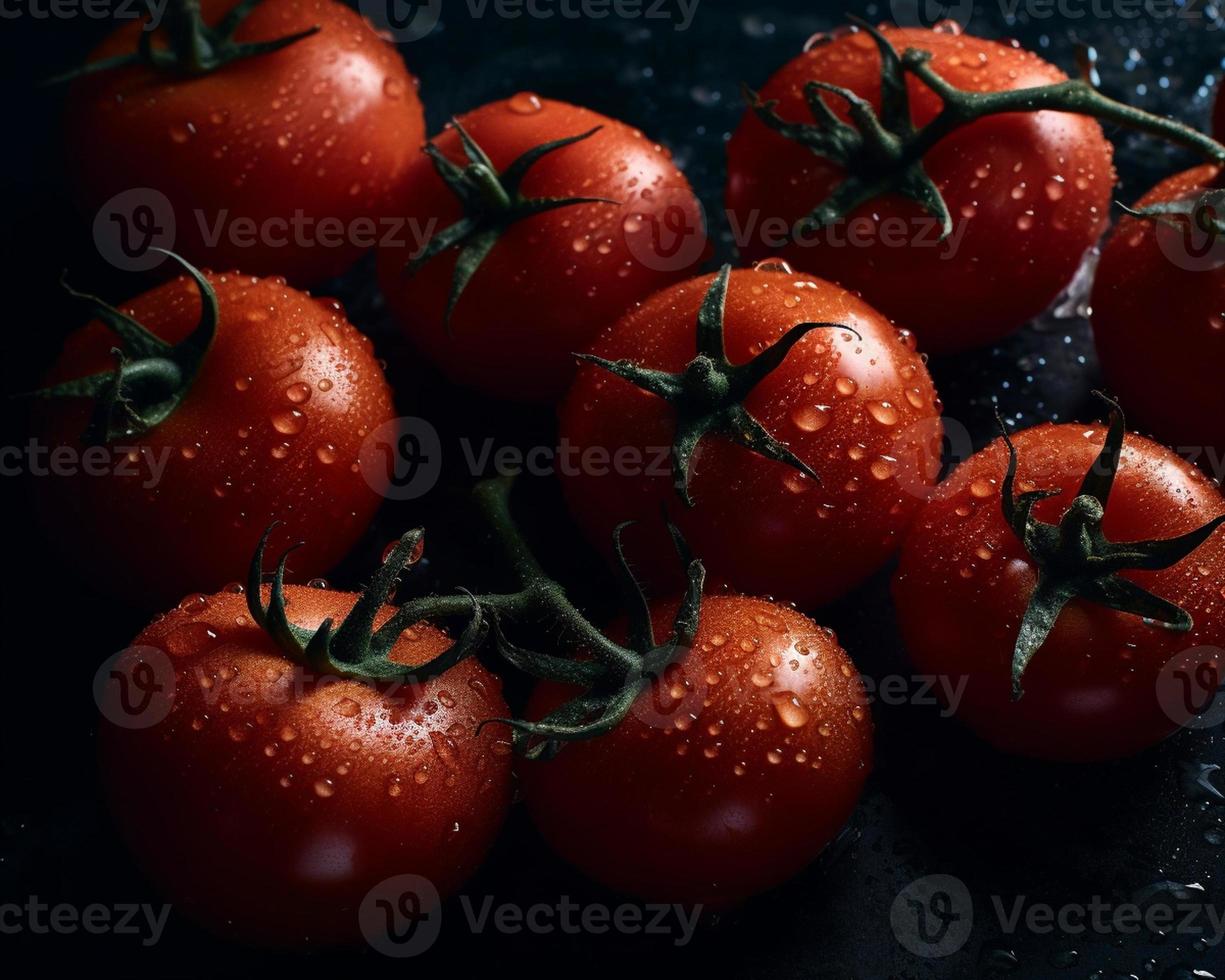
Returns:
point(939, 801)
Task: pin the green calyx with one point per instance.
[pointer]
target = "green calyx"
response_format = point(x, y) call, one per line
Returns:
point(882, 153)
point(492, 202)
point(151, 377)
point(191, 47)
point(610, 685)
point(708, 395)
point(611, 675)
point(1076, 561)
point(355, 648)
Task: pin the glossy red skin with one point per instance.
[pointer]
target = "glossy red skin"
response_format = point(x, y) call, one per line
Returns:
point(229, 470)
point(266, 808)
point(1171, 388)
point(327, 126)
point(555, 279)
point(726, 784)
point(759, 525)
point(1090, 693)
point(1001, 273)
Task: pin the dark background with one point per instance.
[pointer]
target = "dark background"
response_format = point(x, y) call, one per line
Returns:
point(939, 802)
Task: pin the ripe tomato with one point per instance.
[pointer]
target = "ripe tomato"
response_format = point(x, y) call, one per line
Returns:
point(270, 428)
point(728, 775)
point(1028, 193)
point(1158, 273)
point(861, 412)
point(318, 134)
point(1094, 690)
point(551, 279)
point(269, 800)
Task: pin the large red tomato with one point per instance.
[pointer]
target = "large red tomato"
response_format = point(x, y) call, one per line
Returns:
point(1105, 683)
point(729, 774)
point(271, 427)
point(292, 158)
point(269, 800)
point(1028, 193)
point(1162, 275)
point(859, 411)
point(550, 279)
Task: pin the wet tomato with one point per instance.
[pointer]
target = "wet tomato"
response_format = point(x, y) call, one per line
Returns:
point(1162, 274)
point(542, 279)
point(854, 405)
point(270, 428)
point(270, 800)
point(1028, 193)
point(729, 774)
point(280, 163)
point(1105, 683)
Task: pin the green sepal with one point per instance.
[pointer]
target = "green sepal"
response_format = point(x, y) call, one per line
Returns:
point(151, 377)
point(355, 649)
point(882, 153)
point(1075, 560)
point(492, 202)
point(192, 48)
point(708, 394)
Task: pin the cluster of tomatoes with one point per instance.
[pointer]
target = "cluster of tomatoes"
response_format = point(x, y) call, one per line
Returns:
point(1059, 572)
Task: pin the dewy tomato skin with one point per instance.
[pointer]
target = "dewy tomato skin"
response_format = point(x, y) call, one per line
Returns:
point(1028, 193)
point(270, 429)
point(555, 279)
point(861, 412)
point(266, 805)
point(1159, 321)
point(1091, 691)
point(286, 163)
point(727, 777)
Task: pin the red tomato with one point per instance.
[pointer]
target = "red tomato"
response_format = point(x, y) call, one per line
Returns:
point(268, 802)
point(1028, 193)
point(321, 131)
point(553, 279)
point(270, 428)
point(728, 775)
point(1161, 274)
point(1094, 690)
point(861, 412)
